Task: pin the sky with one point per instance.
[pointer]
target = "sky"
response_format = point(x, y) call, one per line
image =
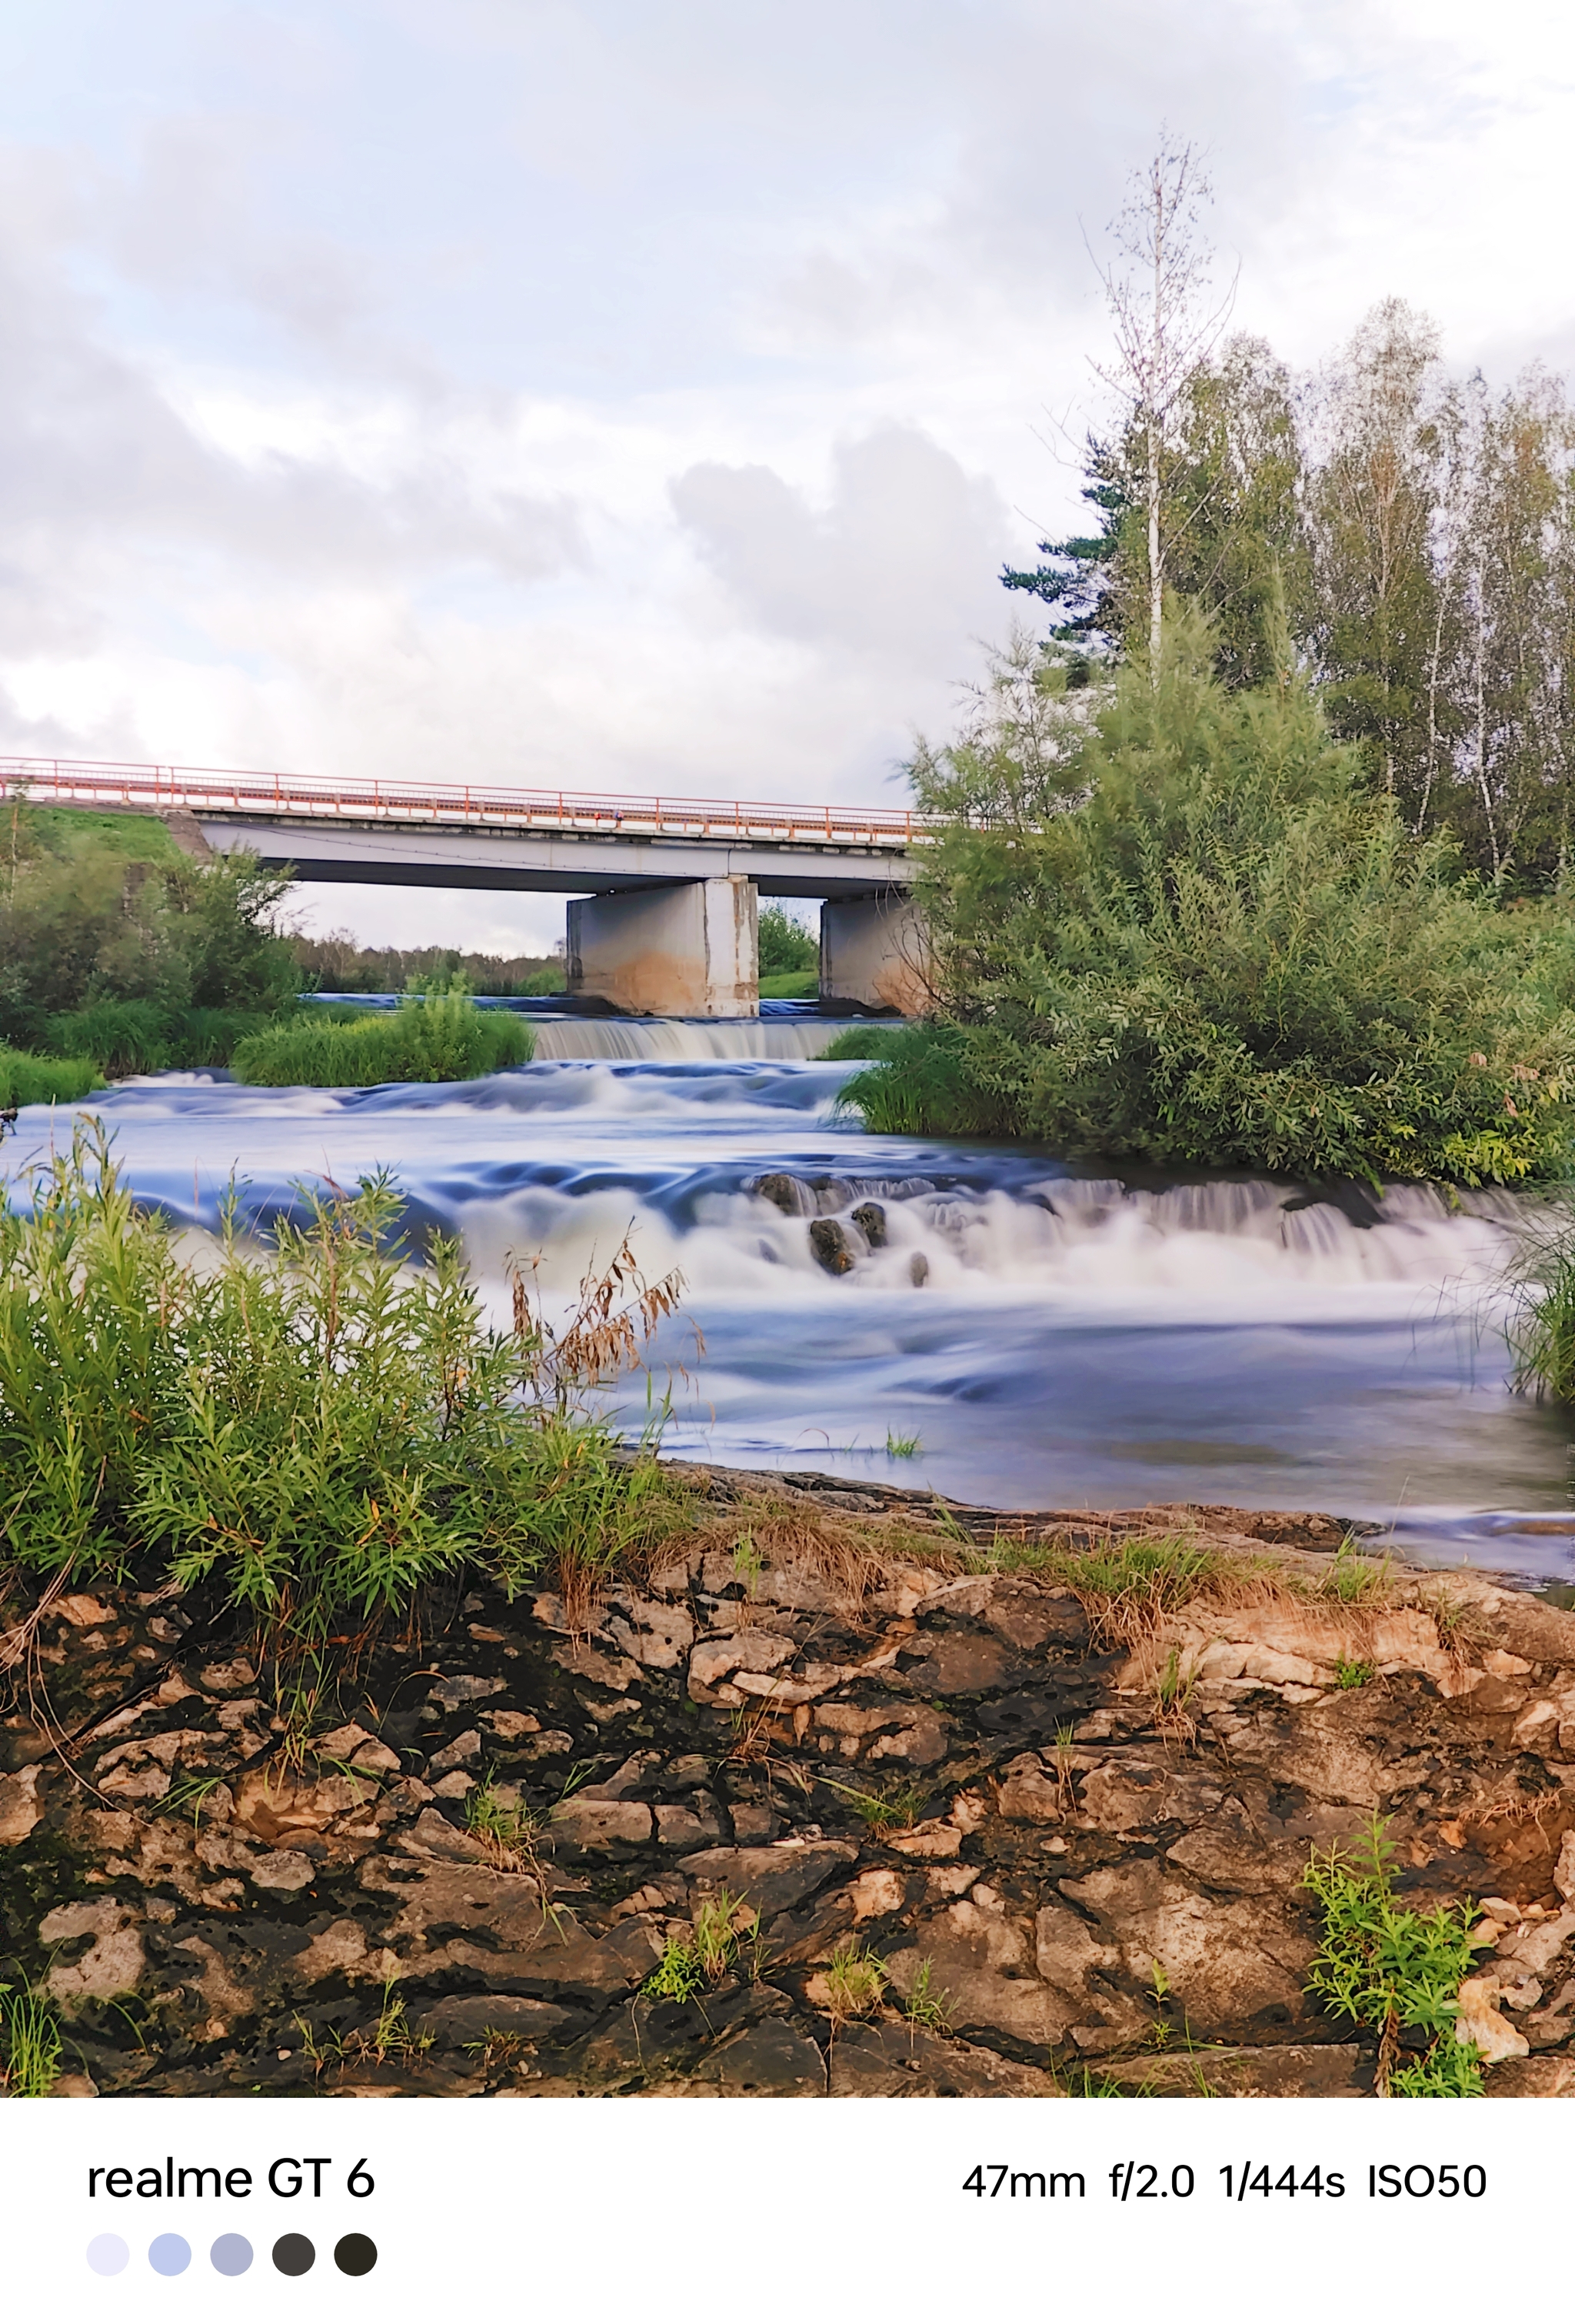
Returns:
point(644, 394)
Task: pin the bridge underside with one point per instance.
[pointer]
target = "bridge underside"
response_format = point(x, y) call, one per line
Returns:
point(659, 928)
point(555, 863)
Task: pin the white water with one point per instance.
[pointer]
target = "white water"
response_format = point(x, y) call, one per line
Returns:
point(1074, 1342)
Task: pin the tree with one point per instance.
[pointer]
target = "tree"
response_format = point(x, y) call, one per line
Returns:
point(1388, 435)
point(1165, 330)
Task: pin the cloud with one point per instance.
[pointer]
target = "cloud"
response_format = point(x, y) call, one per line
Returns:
point(899, 563)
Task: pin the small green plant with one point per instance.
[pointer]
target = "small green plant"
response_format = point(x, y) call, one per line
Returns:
point(895, 1806)
point(1391, 1969)
point(1355, 1580)
point(749, 1564)
point(677, 1975)
point(33, 2046)
point(925, 2006)
point(1159, 1985)
point(855, 1982)
point(903, 1448)
point(504, 1825)
point(1063, 1758)
point(1354, 1673)
point(1174, 1689)
point(392, 2039)
point(711, 1951)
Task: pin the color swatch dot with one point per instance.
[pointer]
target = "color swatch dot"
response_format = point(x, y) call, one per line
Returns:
point(169, 2254)
point(355, 2254)
point(231, 2255)
point(293, 2255)
point(107, 2254)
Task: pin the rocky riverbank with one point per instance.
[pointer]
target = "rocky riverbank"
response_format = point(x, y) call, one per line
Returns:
point(852, 1794)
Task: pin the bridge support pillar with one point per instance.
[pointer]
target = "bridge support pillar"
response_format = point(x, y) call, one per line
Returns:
point(690, 951)
point(874, 950)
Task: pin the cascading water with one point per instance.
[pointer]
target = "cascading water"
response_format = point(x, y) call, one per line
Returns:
point(1054, 1339)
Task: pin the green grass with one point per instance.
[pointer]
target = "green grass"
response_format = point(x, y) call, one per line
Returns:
point(444, 1038)
point(140, 838)
point(1392, 1970)
point(33, 2046)
point(903, 1448)
point(791, 984)
point(891, 1806)
point(28, 1080)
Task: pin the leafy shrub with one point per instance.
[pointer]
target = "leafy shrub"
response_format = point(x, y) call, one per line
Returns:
point(1393, 1971)
point(93, 916)
point(313, 1422)
point(430, 1037)
point(786, 947)
point(1175, 929)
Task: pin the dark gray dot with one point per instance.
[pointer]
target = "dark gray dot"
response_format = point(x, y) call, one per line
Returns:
point(355, 2254)
point(293, 2255)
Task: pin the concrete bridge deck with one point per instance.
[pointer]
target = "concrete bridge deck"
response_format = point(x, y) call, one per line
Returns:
point(665, 918)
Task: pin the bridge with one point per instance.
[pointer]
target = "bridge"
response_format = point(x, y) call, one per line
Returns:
point(665, 890)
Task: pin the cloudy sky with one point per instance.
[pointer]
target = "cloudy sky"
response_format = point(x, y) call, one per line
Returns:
point(643, 394)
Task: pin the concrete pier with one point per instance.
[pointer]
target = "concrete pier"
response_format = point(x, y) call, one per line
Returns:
point(687, 951)
point(874, 950)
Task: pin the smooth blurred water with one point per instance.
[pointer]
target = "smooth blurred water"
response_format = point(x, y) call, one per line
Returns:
point(1076, 1341)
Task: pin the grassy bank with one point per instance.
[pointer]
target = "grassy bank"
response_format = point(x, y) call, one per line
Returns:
point(441, 1038)
point(28, 1080)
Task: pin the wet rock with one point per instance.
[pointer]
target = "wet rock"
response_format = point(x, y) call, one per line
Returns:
point(463, 2019)
point(919, 1270)
point(829, 1243)
point(788, 1195)
point(869, 1218)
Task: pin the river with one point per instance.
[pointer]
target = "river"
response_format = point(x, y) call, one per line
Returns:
point(1052, 1339)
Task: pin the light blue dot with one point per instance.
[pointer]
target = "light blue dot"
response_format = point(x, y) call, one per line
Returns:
point(231, 2255)
point(107, 2254)
point(169, 2254)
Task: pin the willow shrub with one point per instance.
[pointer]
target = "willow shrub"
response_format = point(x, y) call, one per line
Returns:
point(312, 1423)
point(430, 1037)
point(1186, 933)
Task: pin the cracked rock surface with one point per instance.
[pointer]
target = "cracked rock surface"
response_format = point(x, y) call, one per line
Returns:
point(466, 1883)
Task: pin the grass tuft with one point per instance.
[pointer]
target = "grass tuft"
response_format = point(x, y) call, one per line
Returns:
point(430, 1037)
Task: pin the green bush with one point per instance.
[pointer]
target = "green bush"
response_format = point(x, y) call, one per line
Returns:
point(311, 1423)
point(142, 1037)
point(438, 1037)
point(27, 1080)
point(1393, 1971)
point(1179, 931)
point(786, 948)
point(95, 918)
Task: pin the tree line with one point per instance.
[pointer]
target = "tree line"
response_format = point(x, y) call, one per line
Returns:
point(1405, 532)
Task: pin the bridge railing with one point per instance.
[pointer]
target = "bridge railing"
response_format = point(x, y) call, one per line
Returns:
point(218, 791)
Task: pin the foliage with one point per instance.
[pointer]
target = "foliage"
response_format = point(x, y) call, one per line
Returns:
point(1542, 1326)
point(33, 2046)
point(1179, 930)
point(90, 916)
point(311, 1423)
point(437, 1036)
point(28, 1080)
point(1391, 1969)
point(854, 1982)
point(927, 2005)
point(338, 964)
point(786, 947)
point(892, 1806)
